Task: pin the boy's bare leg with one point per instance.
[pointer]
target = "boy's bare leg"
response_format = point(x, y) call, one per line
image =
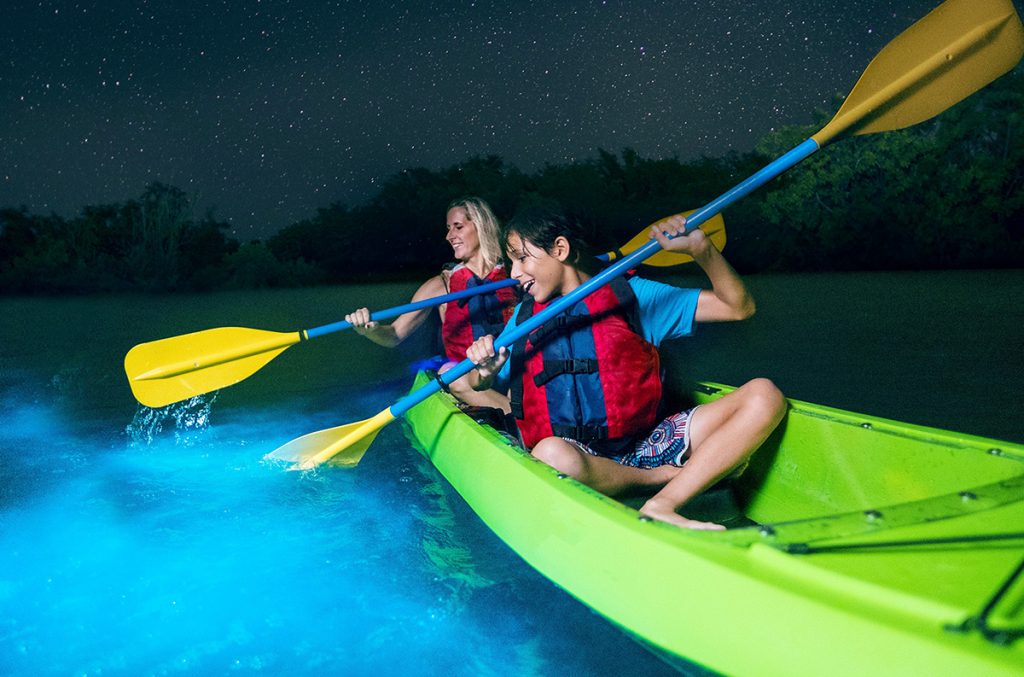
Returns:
point(723, 435)
point(597, 472)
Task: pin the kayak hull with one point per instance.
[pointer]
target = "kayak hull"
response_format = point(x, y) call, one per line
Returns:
point(761, 600)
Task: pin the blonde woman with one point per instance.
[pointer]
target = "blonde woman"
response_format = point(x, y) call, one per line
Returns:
point(472, 232)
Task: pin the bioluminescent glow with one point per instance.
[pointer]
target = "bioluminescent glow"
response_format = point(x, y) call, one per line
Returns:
point(168, 546)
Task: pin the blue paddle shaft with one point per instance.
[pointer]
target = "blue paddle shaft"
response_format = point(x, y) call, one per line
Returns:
point(693, 221)
point(416, 305)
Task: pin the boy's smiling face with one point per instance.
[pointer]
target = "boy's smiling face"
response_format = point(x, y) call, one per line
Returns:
point(540, 273)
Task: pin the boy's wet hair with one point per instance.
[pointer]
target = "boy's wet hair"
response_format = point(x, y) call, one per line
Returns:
point(541, 226)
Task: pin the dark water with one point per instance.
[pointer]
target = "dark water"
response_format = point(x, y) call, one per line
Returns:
point(135, 543)
point(943, 349)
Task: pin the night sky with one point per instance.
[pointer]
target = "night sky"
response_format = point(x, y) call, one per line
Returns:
point(267, 110)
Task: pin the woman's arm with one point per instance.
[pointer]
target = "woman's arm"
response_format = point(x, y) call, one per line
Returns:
point(390, 335)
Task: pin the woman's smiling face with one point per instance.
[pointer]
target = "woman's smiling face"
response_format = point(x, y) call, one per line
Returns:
point(462, 235)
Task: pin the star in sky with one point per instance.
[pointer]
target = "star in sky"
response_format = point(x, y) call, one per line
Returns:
point(267, 110)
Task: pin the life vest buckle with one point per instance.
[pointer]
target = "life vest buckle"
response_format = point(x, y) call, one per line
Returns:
point(553, 368)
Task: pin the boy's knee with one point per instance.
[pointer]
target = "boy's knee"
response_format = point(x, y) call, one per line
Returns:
point(463, 390)
point(460, 387)
point(767, 397)
point(559, 454)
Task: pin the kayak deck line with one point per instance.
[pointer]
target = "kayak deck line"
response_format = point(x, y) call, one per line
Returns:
point(797, 533)
point(980, 622)
point(808, 549)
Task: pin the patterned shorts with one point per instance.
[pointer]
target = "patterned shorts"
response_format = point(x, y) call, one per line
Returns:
point(668, 444)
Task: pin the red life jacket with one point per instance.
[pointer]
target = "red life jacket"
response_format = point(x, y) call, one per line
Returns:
point(588, 374)
point(468, 319)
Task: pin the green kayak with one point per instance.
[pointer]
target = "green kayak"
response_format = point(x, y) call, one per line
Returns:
point(858, 546)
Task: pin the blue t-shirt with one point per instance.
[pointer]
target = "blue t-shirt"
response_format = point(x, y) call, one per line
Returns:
point(666, 312)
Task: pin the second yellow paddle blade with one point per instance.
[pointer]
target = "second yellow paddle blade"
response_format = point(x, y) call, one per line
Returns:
point(343, 445)
point(955, 50)
point(174, 369)
point(714, 228)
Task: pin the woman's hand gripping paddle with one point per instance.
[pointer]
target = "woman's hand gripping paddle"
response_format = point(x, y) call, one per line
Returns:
point(955, 50)
point(177, 368)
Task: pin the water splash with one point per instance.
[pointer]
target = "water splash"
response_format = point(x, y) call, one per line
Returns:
point(189, 419)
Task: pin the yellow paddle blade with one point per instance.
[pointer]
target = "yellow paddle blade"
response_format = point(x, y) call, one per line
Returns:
point(955, 50)
point(343, 445)
point(174, 369)
point(713, 227)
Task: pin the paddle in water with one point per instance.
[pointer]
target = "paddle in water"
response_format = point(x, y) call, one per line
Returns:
point(955, 50)
point(178, 368)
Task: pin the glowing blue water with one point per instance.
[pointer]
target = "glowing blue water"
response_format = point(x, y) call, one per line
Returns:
point(165, 544)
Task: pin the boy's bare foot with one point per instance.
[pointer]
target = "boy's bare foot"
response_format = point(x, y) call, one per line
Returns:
point(654, 510)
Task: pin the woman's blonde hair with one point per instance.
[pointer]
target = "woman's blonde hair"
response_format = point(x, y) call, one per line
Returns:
point(479, 212)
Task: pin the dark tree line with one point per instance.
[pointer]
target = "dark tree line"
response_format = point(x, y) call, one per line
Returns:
point(151, 243)
point(948, 193)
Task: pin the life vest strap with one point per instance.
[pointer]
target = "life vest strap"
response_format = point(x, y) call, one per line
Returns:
point(557, 324)
point(581, 433)
point(553, 368)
